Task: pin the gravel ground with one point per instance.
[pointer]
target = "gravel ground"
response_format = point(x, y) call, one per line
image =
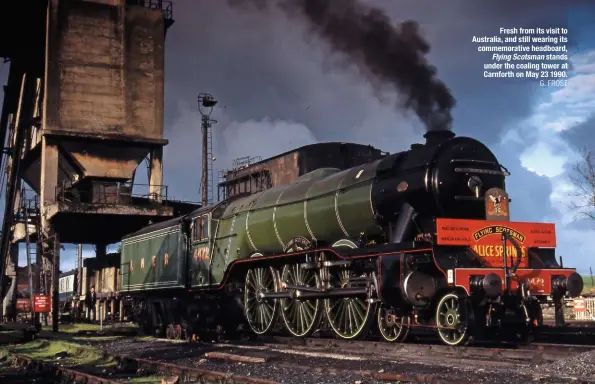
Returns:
point(581, 365)
point(287, 367)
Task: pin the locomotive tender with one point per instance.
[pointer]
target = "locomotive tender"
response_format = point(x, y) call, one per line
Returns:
point(420, 238)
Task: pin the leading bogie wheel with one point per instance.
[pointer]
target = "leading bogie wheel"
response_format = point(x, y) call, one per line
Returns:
point(301, 316)
point(452, 319)
point(261, 313)
point(392, 327)
point(349, 317)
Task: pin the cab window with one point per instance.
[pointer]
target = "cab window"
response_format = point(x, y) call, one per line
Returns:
point(200, 229)
point(205, 227)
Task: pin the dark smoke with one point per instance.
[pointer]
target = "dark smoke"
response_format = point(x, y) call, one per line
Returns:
point(381, 50)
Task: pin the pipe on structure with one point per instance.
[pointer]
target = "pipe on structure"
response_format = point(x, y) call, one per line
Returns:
point(23, 120)
point(404, 223)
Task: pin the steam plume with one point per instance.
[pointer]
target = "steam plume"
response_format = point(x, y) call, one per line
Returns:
point(382, 51)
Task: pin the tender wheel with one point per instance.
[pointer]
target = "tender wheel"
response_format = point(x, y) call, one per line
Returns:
point(300, 316)
point(261, 313)
point(451, 319)
point(392, 327)
point(169, 332)
point(349, 317)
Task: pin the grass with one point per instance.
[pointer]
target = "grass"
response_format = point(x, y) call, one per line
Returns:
point(76, 354)
point(84, 328)
point(78, 357)
point(74, 328)
point(588, 288)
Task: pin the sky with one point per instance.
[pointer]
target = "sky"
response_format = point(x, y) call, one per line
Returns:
point(280, 86)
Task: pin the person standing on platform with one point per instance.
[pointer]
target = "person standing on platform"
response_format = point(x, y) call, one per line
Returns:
point(91, 301)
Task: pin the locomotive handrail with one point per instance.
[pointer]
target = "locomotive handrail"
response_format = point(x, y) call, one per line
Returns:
point(506, 236)
point(506, 172)
point(508, 273)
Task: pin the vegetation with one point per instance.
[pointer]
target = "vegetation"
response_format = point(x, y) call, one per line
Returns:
point(74, 354)
point(588, 288)
point(85, 328)
point(582, 176)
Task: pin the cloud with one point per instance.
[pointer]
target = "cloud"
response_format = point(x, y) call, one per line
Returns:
point(279, 87)
point(550, 146)
point(541, 159)
point(264, 64)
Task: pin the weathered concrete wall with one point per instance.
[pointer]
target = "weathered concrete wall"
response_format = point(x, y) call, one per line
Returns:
point(282, 170)
point(105, 70)
point(287, 167)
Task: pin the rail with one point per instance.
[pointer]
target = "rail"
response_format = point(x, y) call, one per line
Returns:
point(68, 374)
point(115, 193)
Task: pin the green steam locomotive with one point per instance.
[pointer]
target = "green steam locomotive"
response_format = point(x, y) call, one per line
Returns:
point(349, 249)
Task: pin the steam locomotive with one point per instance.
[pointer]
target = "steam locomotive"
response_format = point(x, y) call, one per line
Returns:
point(420, 238)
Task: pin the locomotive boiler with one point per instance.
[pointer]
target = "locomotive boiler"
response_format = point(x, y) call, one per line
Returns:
point(420, 238)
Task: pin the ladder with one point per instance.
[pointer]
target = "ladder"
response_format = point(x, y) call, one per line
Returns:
point(30, 213)
point(210, 163)
point(208, 159)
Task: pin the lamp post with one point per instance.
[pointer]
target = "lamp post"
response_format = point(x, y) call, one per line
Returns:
point(206, 103)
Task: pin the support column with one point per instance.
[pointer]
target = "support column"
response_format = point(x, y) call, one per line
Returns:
point(156, 175)
point(79, 282)
point(558, 298)
point(10, 300)
point(100, 252)
point(23, 122)
point(10, 97)
point(49, 149)
point(121, 303)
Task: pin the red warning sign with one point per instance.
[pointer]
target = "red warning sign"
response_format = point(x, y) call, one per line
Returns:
point(579, 305)
point(42, 303)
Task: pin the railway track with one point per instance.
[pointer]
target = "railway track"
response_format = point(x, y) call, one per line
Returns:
point(577, 333)
point(370, 362)
point(57, 372)
point(274, 359)
point(315, 360)
point(537, 352)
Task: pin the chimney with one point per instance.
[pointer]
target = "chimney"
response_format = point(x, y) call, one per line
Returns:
point(436, 137)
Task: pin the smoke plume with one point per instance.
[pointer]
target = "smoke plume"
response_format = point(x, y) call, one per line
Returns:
point(382, 51)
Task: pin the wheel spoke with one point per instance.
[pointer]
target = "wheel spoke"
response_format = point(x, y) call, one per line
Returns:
point(396, 330)
point(301, 316)
point(348, 317)
point(260, 312)
point(451, 323)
